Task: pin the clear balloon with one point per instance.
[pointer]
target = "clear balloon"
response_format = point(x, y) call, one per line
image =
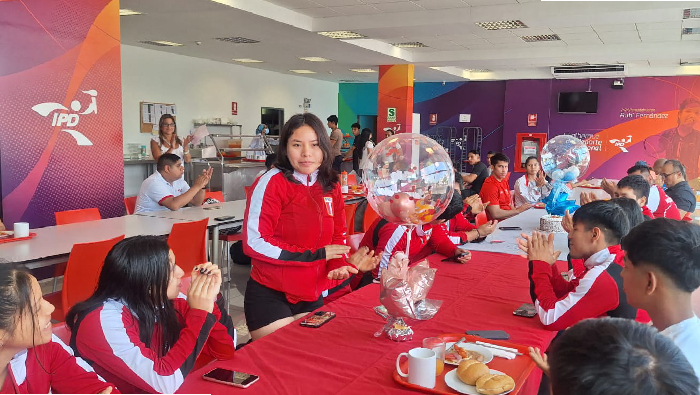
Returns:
point(565, 158)
point(409, 179)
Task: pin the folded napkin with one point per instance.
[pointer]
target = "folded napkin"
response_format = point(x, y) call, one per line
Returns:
point(501, 353)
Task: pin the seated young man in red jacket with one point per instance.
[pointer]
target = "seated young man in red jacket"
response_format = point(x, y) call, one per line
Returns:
point(636, 188)
point(595, 291)
point(459, 229)
point(389, 238)
point(496, 190)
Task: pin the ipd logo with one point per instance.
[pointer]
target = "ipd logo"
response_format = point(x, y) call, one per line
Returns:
point(63, 117)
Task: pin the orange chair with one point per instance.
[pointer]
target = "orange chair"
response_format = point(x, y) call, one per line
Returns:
point(481, 218)
point(82, 274)
point(352, 179)
point(370, 216)
point(350, 217)
point(218, 195)
point(188, 240)
point(130, 204)
point(74, 216)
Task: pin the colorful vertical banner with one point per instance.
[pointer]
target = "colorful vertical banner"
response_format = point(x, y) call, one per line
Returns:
point(395, 104)
point(60, 109)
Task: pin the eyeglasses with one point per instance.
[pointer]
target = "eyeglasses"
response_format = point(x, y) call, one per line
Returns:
point(167, 125)
point(666, 175)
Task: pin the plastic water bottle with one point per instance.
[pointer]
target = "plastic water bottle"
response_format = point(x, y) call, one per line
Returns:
point(143, 151)
point(344, 182)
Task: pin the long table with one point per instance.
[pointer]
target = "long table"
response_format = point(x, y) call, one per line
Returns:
point(343, 356)
point(53, 244)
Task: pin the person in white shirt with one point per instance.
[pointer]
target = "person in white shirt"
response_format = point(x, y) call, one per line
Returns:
point(532, 186)
point(168, 142)
point(662, 269)
point(167, 190)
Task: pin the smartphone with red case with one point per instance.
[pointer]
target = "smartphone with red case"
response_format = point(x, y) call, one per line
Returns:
point(230, 377)
point(318, 319)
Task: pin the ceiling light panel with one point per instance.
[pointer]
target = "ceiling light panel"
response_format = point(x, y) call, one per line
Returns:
point(247, 60)
point(411, 44)
point(540, 38)
point(364, 70)
point(162, 43)
point(341, 34)
point(501, 25)
point(127, 12)
point(303, 71)
point(315, 59)
point(237, 40)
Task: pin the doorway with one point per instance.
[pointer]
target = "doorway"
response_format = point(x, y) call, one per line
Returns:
point(273, 118)
point(370, 122)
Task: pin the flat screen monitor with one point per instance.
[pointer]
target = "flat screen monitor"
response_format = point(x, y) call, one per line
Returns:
point(578, 102)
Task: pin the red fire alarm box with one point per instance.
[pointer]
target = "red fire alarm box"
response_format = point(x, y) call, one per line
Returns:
point(526, 145)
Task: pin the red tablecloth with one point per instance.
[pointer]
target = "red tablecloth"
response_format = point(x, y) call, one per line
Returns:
point(343, 356)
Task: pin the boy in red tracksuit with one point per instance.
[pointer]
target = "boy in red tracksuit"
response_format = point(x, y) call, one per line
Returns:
point(635, 187)
point(594, 290)
point(426, 239)
point(658, 204)
point(496, 190)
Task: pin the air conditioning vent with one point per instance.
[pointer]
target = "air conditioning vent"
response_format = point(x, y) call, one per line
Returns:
point(590, 71)
point(238, 40)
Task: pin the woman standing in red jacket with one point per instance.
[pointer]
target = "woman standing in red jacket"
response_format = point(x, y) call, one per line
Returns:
point(32, 359)
point(294, 230)
point(138, 330)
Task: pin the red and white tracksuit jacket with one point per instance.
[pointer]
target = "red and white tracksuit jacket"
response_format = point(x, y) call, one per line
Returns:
point(661, 204)
point(392, 238)
point(51, 367)
point(594, 290)
point(286, 228)
point(108, 338)
point(457, 228)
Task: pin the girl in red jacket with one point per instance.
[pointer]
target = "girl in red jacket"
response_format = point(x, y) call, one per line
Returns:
point(294, 230)
point(138, 330)
point(32, 359)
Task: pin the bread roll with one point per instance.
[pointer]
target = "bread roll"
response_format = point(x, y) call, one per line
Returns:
point(493, 384)
point(470, 370)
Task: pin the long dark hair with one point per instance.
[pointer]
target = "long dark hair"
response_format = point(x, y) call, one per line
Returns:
point(15, 297)
point(136, 272)
point(364, 137)
point(160, 129)
point(326, 175)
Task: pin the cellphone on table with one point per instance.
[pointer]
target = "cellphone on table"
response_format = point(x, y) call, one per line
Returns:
point(230, 377)
point(526, 310)
point(455, 258)
point(225, 218)
point(493, 335)
point(510, 228)
point(318, 319)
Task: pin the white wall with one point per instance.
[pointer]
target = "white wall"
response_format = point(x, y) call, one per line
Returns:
point(205, 89)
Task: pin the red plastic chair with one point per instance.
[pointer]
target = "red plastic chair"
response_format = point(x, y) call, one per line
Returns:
point(218, 195)
point(61, 330)
point(352, 179)
point(370, 216)
point(75, 216)
point(350, 217)
point(481, 218)
point(130, 204)
point(188, 240)
point(81, 276)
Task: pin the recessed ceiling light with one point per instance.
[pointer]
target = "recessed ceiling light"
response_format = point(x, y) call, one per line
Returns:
point(689, 13)
point(303, 71)
point(247, 60)
point(341, 34)
point(127, 12)
point(412, 44)
point(162, 43)
point(691, 30)
point(238, 40)
point(540, 38)
point(478, 70)
point(347, 81)
point(500, 25)
point(435, 67)
point(315, 59)
point(363, 70)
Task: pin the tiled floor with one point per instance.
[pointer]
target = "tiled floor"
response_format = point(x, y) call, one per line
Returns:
point(239, 279)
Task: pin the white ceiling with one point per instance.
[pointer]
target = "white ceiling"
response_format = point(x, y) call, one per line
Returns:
point(644, 35)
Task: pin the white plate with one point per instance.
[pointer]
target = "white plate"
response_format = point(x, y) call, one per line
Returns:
point(488, 355)
point(458, 385)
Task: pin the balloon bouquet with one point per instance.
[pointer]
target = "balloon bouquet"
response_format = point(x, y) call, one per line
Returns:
point(564, 159)
point(409, 179)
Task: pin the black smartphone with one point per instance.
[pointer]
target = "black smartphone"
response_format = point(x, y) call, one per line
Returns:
point(526, 310)
point(225, 218)
point(455, 258)
point(318, 319)
point(510, 228)
point(230, 377)
point(493, 335)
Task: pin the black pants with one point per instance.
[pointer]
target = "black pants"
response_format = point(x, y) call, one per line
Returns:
point(337, 161)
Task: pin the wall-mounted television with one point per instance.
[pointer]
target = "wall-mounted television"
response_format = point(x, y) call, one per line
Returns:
point(578, 102)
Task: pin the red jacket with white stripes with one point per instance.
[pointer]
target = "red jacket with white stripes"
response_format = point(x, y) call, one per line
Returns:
point(108, 338)
point(458, 227)
point(51, 367)
point(286, 228)
point(593, 290)
point(392, 238)
point(665, 207)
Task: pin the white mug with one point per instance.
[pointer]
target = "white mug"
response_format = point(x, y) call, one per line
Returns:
point(422, 367)
point(21, 229)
